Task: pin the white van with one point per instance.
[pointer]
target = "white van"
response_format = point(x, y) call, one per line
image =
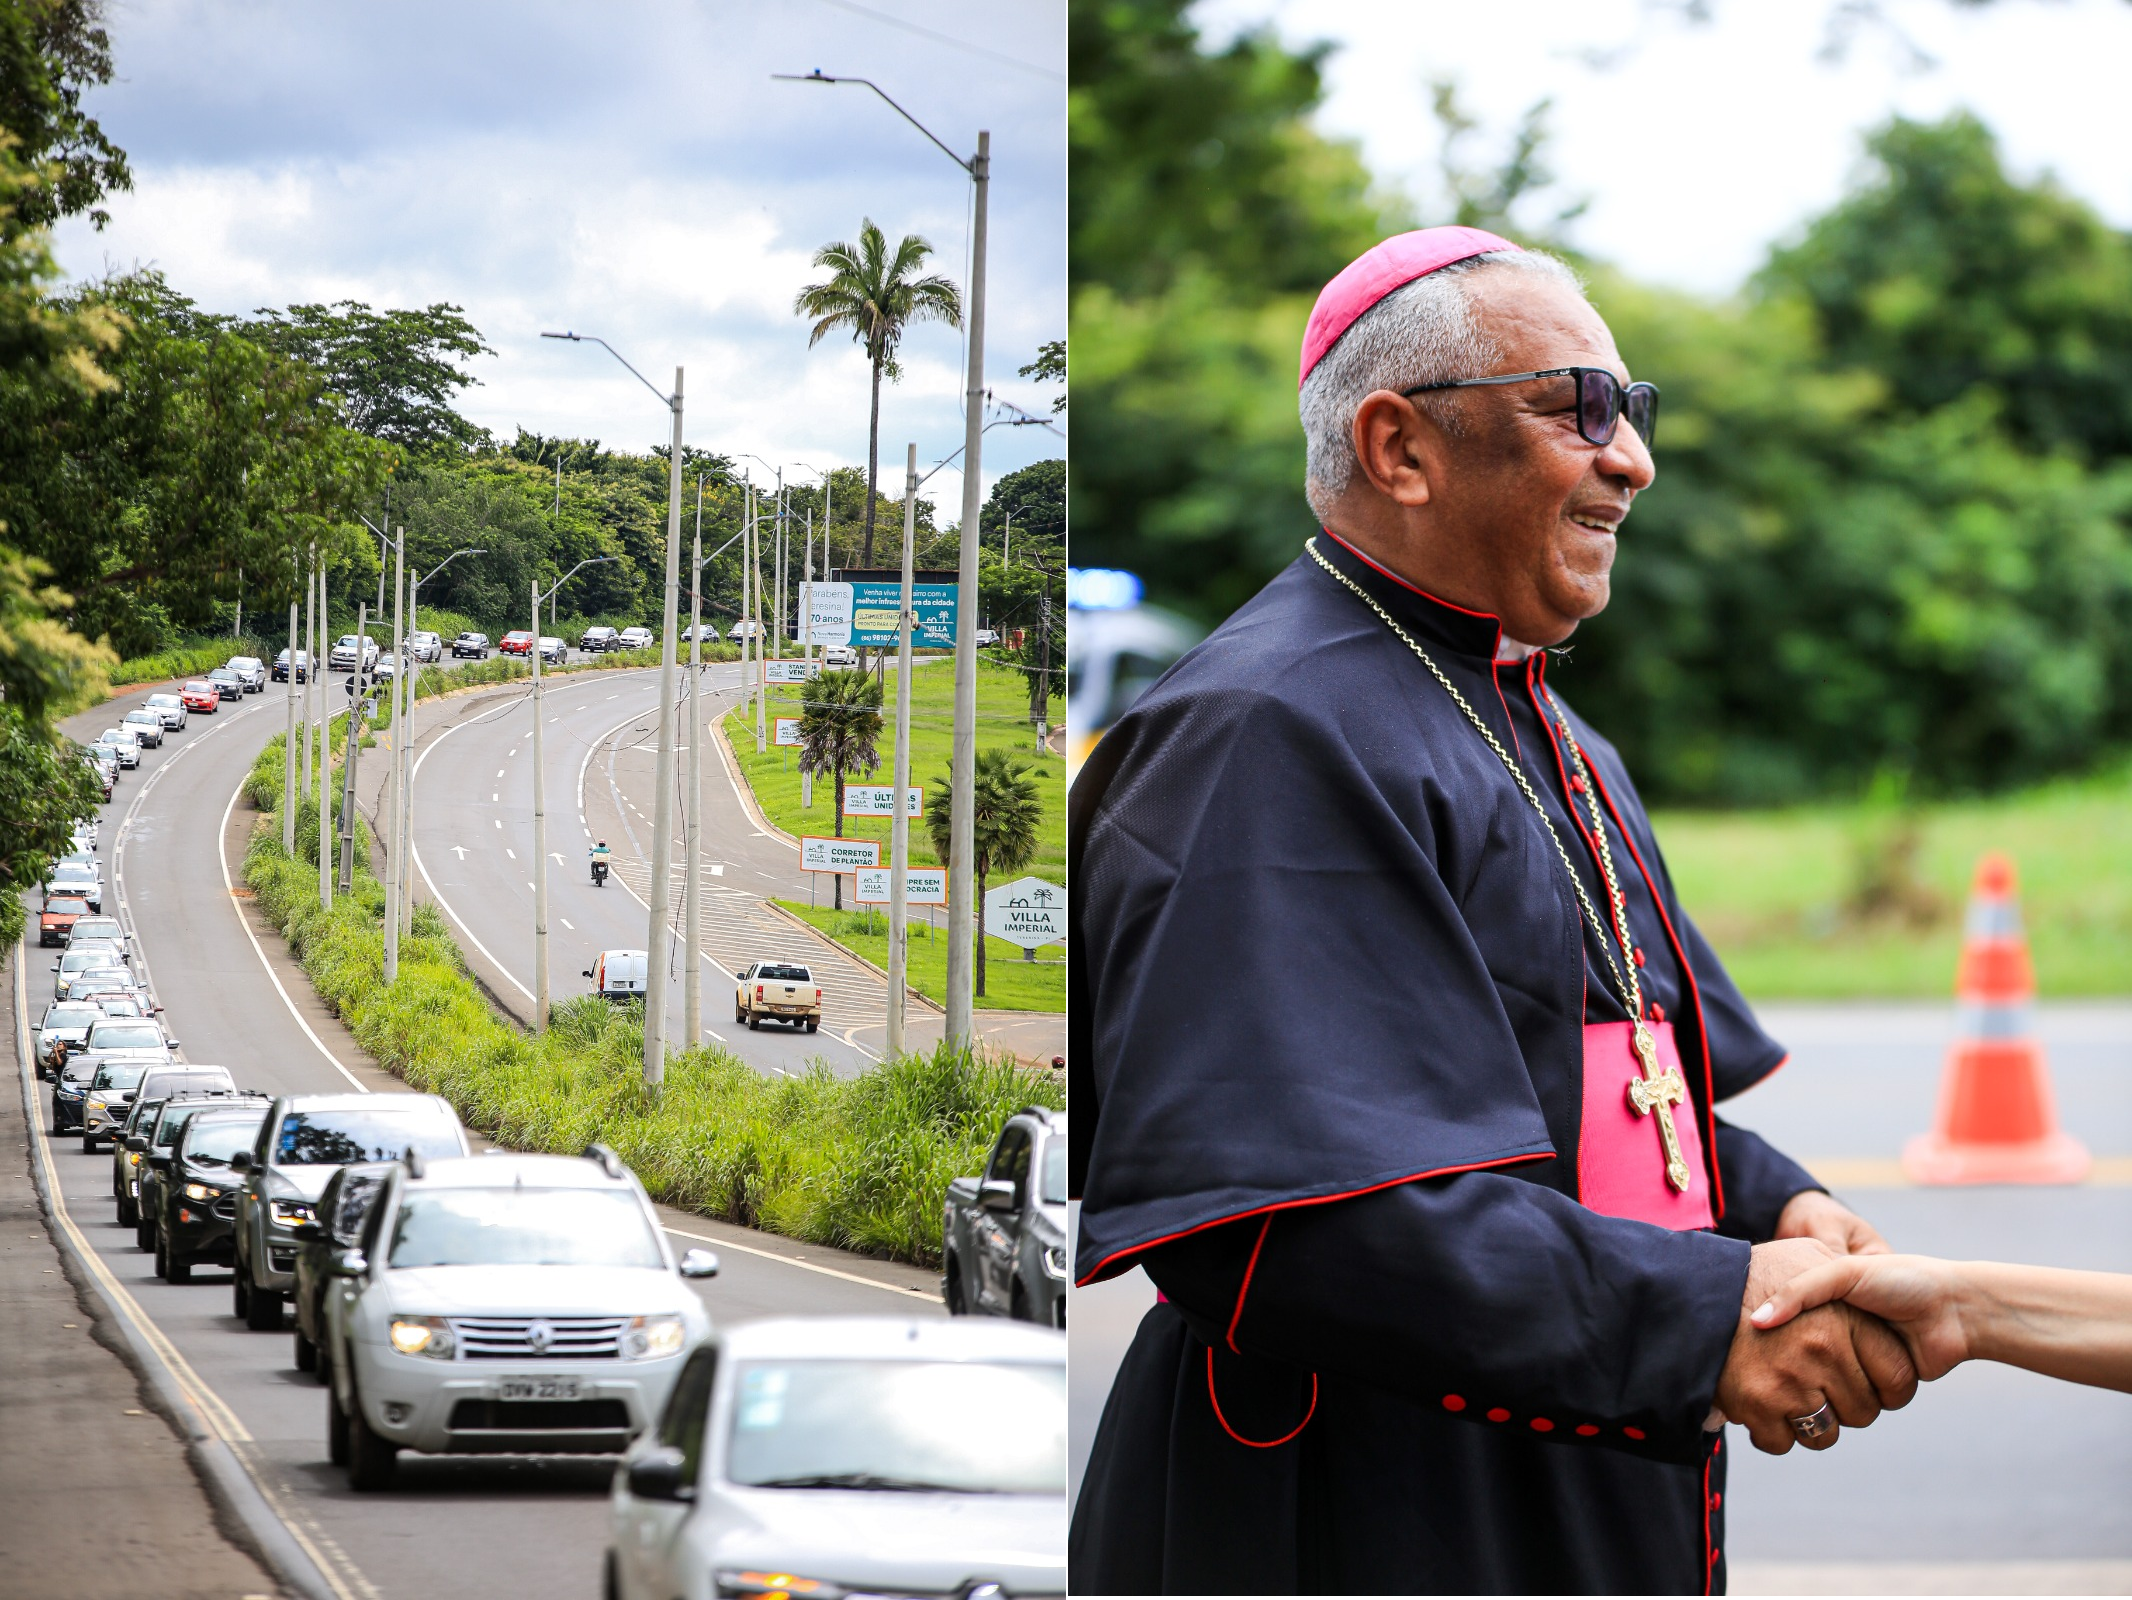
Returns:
point(618, 975)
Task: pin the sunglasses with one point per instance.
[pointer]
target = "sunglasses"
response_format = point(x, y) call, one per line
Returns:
point(1601, 400)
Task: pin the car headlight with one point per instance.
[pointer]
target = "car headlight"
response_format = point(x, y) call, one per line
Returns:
point(423, 1336)
point(1055, 1260)
point(650, 1338)
point(97, 1106)
point(776, 1586)
point(201, 1191)
point(288, 1213)
point(133, 1158)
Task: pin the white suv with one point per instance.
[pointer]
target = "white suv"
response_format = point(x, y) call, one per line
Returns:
point(506, 1304)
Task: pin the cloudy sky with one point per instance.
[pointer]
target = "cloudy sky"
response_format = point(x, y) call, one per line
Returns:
point(1702, 144)
point(625, 168)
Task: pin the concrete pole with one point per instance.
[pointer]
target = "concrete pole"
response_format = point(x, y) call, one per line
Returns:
point(310, 670)
point(348, 761)
point(899, 828)
point(692, 840)
point(289, 792)
point(540, 838)
point(806, 611)
point(762, 636)
point(962, 913)
point(659, 947)
point(399, 737)
point(325, 755)
point(404, 848)
point(747, 591)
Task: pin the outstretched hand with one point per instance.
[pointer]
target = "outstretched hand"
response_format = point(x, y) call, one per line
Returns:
point(1834, 1353)
point(1918, 1296)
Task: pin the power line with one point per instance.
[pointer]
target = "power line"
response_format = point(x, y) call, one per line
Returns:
point(943, 38)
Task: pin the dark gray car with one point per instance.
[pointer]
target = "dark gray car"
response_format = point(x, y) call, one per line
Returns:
point(1003, 1235)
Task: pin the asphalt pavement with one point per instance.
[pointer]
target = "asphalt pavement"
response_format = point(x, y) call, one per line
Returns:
point(519, 1527)
point(1992, 1480)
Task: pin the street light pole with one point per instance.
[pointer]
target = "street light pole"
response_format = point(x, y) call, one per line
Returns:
point(963, 767)
point(288, 751)
point(659, 944)
point(325, 752)
point(403, 862)
point(762, 637)
point(692, 839)
point(899, 829)
point(399, 737)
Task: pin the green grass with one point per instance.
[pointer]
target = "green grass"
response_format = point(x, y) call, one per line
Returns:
point(1782, 894)
point(1011, 984)
point(189, 661)
point(857, 1163)
point(1002, 722)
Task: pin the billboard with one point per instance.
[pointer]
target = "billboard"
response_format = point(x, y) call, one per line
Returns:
point(879, 800)
point(922, 886)
point(869, 598)
point(819, 853)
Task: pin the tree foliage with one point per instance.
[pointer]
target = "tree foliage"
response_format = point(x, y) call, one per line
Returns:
point(1007, 818)
point(51, 53)
point(1889, 532)
point(394, 372)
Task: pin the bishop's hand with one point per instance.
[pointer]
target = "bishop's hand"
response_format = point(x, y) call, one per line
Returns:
point(1833, 1354)
point(1811, 1214)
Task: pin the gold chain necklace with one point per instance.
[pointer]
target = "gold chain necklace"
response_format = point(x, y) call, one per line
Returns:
point(1657, 1088)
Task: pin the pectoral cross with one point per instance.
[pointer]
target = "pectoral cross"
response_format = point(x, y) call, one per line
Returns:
point(1659, 1090)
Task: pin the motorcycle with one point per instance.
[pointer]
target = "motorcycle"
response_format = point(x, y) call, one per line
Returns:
point(599, 874)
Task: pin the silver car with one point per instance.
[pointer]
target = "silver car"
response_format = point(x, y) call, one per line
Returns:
point(145, 726)
point(835, 1456)
point(121, 743)
point(423, 646)
point(170, 708)
point(251, 670)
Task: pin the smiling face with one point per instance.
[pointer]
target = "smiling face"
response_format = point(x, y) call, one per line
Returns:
point(1514, 513)
point(1538, 504)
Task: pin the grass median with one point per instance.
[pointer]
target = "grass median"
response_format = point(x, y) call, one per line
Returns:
point(1011, 983)
point(856, 1163)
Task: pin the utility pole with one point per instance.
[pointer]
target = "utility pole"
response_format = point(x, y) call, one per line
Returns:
point(762, 637)
point(540, 836)
point(777, 543)
point(310, 662)
point(399, 738)
point(355, 725)
point(403, 862)
point(1006, 543)
point(962, 812)
point(899, 828)
point(1042, 709)
point(237, 629)
point(288, 750)
point(659, 947)
point(325, 755)
point(692, 837)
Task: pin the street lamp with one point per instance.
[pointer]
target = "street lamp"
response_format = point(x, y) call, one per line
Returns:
point(962, 771)
point(659, 945)
point(540, 805)
point(692, 843)
point(403, 866)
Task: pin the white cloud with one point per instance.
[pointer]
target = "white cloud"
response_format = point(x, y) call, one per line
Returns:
point(628, 171)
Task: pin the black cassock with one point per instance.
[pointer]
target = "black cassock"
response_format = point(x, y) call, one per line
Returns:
point(1333, 1001)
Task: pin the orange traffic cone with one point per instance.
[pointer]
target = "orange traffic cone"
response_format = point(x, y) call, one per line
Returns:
point(1997, 1122)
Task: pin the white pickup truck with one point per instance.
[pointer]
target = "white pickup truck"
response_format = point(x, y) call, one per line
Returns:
point(780, 991)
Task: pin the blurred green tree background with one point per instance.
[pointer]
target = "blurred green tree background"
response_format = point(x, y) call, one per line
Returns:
point(1890, 530)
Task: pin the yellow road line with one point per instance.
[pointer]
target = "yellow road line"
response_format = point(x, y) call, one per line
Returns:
point(1885, 1172)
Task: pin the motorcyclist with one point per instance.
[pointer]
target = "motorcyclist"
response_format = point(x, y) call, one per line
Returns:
point(599, 854)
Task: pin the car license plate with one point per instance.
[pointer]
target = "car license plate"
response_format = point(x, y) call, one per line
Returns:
point(537, 1389)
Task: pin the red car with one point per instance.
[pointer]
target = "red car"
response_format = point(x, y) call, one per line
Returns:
point(200, 695)
point(519, 643)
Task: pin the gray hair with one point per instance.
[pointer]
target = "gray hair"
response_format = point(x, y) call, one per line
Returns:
point(1422, 332)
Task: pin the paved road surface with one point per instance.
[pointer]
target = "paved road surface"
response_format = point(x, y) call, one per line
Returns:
point(474, 846)
point(520, 1528)
point(1992, 1479)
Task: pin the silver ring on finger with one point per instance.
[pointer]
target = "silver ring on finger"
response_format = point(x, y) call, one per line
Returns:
point(1817, 1423)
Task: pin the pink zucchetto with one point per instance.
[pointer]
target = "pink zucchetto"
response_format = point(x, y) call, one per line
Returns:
point(1395, 263)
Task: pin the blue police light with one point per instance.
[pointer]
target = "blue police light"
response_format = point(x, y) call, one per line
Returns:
point(1101, 589)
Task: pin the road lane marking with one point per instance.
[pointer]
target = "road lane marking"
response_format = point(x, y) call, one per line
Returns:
point(807, 1266)
point(237, 910)
point(566, 922)
point(513, 854)
point(461, 849)
point(214, 1414)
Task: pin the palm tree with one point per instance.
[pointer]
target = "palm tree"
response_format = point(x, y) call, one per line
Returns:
point(840, 733)
point(876, 294)
point(1009, 812)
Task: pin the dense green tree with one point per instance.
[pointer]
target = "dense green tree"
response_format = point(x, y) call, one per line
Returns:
point(51, 53)
point(1048, 367)
point(1007, 820)
point(394, 372)
point(876, 294)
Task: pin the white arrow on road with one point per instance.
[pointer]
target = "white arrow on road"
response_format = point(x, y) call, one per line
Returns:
point(461, 849)
point(559, 855)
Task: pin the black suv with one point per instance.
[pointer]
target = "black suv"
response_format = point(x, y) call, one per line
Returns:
point(593, 640)
point(197, 1191)
point(146, 1151)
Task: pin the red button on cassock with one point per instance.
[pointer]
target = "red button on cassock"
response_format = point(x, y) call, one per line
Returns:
point(1498, 1414)
point(1633, 1433)
point(1586, 1430)
point(1636, 956)
point(1542, 1425)
point(1454, 1402)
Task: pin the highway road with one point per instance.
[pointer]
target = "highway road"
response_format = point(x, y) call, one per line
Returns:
point(474, 851)
point(523, 1527)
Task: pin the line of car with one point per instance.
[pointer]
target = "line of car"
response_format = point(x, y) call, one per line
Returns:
point(452, 1303)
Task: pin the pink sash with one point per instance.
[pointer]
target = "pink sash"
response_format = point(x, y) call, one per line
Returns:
point(1621, 1159)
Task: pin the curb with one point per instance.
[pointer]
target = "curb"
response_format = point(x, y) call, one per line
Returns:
point(227, 1480)
point(746, 790)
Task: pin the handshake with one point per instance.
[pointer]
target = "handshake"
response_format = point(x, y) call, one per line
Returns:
point(1834, 1329)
